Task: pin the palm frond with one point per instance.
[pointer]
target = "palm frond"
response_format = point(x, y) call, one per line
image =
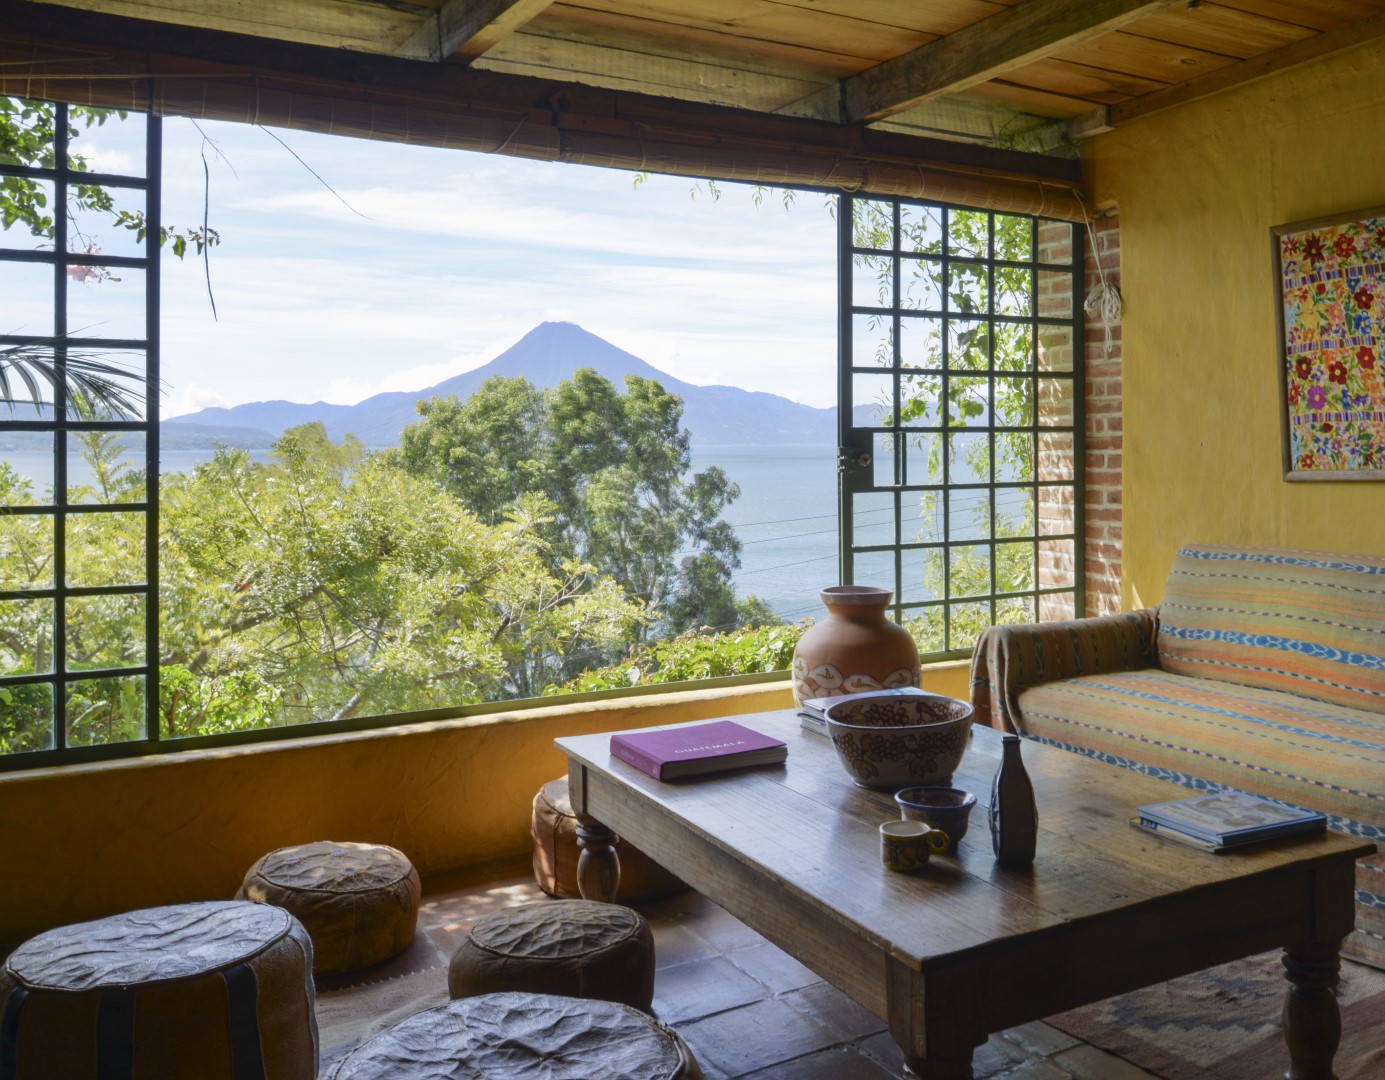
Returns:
point(94, 386)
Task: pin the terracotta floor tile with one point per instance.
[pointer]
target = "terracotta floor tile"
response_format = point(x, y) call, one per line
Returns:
point(775, 968)
point(702, 987)
point(838, 1063)
point(834, 1010)
point(754, 1037)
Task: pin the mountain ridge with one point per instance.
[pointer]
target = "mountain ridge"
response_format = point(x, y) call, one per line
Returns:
point(547, 355)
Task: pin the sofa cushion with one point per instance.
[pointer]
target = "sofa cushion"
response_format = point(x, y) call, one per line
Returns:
point(1210, 735)
point(1302, 621)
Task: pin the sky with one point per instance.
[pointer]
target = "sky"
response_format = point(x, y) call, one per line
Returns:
point(419, 264)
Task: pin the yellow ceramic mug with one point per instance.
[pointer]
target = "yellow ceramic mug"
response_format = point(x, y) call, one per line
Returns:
point(906, 845)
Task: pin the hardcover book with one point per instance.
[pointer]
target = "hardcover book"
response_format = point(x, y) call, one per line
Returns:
point(1226, 820)
point(694, 749)
point(813, 711)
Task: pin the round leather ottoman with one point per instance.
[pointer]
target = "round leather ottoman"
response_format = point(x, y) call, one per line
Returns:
point(522, 1037)
point(577, 948)
point(553, 826)
point(359, 902)
point(208, 991)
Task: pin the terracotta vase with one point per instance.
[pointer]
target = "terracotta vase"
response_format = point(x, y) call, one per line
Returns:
point(855, 649)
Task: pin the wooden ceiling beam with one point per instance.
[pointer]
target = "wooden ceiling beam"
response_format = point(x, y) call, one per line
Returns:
point(977, 53)
point(469, 28)
point(1299, 53)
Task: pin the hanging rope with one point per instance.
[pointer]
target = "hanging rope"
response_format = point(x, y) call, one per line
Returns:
point(1104, 302)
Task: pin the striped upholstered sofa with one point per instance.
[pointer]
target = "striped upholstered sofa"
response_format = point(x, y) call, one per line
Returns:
point(1261, 670)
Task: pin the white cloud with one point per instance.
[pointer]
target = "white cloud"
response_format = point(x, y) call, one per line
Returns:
point(190, 398)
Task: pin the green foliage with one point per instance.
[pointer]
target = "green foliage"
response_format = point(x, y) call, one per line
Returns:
point(694, 655)
point(614, 470)
point(28, 132)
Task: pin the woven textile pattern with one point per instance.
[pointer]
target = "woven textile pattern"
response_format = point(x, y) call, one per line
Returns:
point(1300, 621)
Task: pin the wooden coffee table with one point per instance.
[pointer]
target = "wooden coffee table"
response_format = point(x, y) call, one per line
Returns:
point(965, 948)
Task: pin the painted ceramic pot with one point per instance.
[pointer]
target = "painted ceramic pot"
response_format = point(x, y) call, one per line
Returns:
point(855, 648)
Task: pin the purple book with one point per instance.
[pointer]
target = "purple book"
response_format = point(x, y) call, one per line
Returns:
point(692, 749)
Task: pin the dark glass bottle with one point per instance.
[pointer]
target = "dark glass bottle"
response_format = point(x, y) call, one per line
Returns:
point(1014, 814)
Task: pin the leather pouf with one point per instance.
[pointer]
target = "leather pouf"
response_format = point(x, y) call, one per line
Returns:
point(577, 948)
point(554, 829)
point(359, 902)
point(208, 991)
point(522, 1037)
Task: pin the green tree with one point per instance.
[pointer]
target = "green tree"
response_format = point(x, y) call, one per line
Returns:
point(615, 469)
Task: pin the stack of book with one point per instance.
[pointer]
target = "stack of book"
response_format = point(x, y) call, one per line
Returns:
point(1226, 821)
point(812, 713)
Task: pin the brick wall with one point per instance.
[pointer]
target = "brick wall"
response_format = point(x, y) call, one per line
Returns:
point(1103, 428)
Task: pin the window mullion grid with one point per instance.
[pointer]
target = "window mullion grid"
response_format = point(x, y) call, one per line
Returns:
point(994, 419)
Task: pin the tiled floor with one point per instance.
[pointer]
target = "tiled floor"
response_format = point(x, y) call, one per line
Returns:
point(746, 1008)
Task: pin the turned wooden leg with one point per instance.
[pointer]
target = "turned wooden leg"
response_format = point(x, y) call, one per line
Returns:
point(1312, 1021)
point(598, 867)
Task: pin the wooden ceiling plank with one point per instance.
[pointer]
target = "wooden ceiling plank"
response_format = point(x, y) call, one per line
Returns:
point(630, 70)
point(985, 50)
point(1313, 14)
point(1083, 81)
point(1145, 57)
point(469, 28)
point(1223, 30)
point(367, 27)
point(1258, 67)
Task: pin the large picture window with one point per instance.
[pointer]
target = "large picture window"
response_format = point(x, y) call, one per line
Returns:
point(79, 356)
point(960, 422)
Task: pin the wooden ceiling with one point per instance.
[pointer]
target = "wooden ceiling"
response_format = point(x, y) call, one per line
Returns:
point(1026, 74)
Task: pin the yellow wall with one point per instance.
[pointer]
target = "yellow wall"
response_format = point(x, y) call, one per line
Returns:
point(85, 841)
point(1198, 188)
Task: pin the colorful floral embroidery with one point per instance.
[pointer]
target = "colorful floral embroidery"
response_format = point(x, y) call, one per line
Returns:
point(1332, 280)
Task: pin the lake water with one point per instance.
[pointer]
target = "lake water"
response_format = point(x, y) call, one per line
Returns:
point(786, 516)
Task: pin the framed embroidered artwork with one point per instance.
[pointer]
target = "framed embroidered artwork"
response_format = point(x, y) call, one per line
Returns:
point(1330, 286)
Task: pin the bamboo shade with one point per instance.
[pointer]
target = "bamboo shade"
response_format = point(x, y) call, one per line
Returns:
point(542, 121)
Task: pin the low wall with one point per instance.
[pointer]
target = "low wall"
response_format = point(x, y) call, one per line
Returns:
point(91, 840)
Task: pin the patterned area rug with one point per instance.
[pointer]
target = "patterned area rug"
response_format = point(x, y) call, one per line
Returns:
point(1223, 1024)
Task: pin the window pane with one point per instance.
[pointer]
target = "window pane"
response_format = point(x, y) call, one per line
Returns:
point(1055, 242)
point(26, 636)
point(105, 631)
point(872, 281)
point(969, 458)
point(968, 514)
point(95, 233)
point(1014, 402)
point(872, 224)
point(26, 467)
point(1058, 606)
point(969, 402)
point(873, 518)
point(919, 401)
point(1014, 567)
point(116, 146)
point(1014, 455)
point(1055, 294)
point(1014, 238)
point(1055, 348)
point(1055, 456)
point(921, 228)
point(872, 340)
point(923, 462)
point(969, 570)
point(968, 233)
point(26, 551)
point(1013, 291)
point(28, 292)
point(1014, 511)
point(106, 304)
point(1013, 347)
point(874, 568)
point(105, 467)
point(922, 574)
point(968, 345)
point(968, 289)
point(104, 711)
point(26, 718)
point(1057, 561)
point(873, 400)
point(921, 519)
point(921, 343)
point(921, 284)
point(1055, 510)
point(965, 623)
point(1055, 403)
point(1010, 610)
point(105, 548)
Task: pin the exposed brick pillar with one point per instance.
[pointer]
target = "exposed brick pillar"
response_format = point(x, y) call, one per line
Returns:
point(1103, 426)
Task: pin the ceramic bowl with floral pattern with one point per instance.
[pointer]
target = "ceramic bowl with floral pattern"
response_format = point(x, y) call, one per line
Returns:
point(896, 742)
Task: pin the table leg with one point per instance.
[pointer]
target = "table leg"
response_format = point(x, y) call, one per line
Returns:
point(598, 867)
point(1312, 1021)
point(936, 1069)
